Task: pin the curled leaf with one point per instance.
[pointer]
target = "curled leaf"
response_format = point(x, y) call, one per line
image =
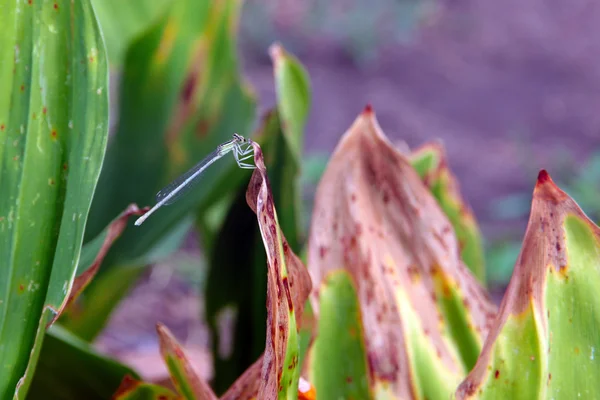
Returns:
point(288, 287)
point(424, 315)
point(93, 254)
point(544, 340)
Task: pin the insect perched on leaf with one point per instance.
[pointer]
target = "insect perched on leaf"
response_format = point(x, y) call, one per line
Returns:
point(242, 151)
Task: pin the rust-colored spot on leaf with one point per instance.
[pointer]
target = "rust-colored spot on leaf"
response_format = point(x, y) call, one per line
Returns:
point(34, 116)
point(92, 59)
point(54, 134)
point(497, 374)
point(2, 127)
point(56, 6)
point(44, 110)
point(21, 288)
point(65, 166)
point(549, 379)
point(286, 288)
point(51, 182)
point(576, 350)
point(22, 88)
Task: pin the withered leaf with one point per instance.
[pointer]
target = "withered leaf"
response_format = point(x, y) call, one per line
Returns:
point(374, 217)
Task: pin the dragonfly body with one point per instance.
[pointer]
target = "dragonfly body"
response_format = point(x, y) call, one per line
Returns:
point(242, 150)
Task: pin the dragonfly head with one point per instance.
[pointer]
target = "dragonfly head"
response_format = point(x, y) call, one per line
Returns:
point(239, 138)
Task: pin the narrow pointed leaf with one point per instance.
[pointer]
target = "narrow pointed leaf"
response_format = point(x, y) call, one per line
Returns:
point(182, 373)
point(293, 97)
point(53, 132)
point(431, 163)
point(424, 315)
point(544, 341)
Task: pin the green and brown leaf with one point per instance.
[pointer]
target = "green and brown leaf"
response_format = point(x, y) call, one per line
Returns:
point(544, 340)
point(431, 164)
point(423, 314)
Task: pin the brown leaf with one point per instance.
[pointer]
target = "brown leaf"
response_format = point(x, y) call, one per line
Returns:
point(288, 281)
point(114, 230)
point(374, 217)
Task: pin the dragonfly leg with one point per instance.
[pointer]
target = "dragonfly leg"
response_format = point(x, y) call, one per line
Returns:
point(241, 155)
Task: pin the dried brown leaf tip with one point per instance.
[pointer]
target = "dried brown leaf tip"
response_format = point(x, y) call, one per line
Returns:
point(550, 310)
point(288, 281)
point(374, 217)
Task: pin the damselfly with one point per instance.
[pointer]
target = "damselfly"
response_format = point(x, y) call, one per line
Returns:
point(242, 151)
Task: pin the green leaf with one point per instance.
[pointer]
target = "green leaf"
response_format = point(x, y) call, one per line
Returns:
point(53, 132)
point(180, 87)
point(293, 97)
point(544, 340)
point(338, 359)
point(133, 389)
point(69, 368)
point(122, 21)
point(431, 164)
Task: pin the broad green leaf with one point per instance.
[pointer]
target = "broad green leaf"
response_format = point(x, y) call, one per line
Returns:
point(180, 89)
point(544, 340)
point(70, 369)
point(133, 389)
point(424, 315)
point(247, 294)
point(123, 20)
point(431, 164)
point(182, 373)
point(340, 332)
point(53, 132)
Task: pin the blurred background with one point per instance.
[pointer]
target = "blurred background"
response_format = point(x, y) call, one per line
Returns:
point(509, 87)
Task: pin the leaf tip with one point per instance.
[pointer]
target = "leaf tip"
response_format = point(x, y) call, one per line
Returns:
point(543, 178)
point(276, 52)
